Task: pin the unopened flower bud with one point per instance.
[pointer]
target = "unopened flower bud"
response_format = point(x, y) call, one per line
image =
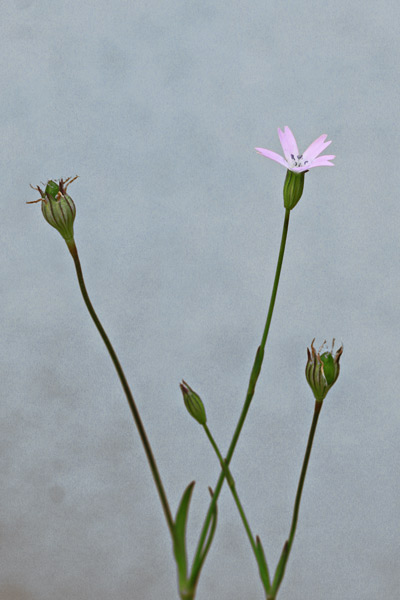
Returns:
point(293, 188)
point(322, 370)
point(58, 208)
point(193, 403)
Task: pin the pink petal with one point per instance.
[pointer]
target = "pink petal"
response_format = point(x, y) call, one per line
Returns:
point(273, 156)
point(327, 164)
point(322, 161)
point(316, 148)
point(327, 156)
point(288, 142)
point(298, 169)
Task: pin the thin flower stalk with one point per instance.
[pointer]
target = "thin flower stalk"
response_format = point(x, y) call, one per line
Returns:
point(280, 569)
point(249, 396)
point(135, 412)
point(232, 486)
point(59, 211)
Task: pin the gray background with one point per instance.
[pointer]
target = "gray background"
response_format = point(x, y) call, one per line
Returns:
point(158, 107)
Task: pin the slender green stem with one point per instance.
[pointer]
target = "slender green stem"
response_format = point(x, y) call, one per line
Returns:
point(317, 410)
point(231, 482)
point(149, 453)
point(250, 393)
point(280, 570)
point(187, 595)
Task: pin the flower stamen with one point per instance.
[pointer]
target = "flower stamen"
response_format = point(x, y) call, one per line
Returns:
point(297, 162)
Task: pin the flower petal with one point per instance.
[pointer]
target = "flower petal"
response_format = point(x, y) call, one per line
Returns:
point(327, 156)
point(325, 164)
point(316, 148)
point(322, 161)
point(299, 169)
point(273, 156)
point(288, 142)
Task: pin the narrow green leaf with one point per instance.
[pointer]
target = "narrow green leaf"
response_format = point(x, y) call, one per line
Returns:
point(180, 533)
point(280, 569)
point(196, 568)
point(262, 566)
point(213, 526)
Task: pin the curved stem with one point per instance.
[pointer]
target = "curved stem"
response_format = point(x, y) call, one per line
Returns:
point(149, 453)
point(280, 570)
point(250, 393)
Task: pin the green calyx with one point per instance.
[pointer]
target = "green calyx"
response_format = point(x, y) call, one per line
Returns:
point(193, 403)
point(293, 188)
point(322, 370)
point(58, 208)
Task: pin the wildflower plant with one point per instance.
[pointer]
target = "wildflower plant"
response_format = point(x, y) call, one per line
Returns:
point(322, 371)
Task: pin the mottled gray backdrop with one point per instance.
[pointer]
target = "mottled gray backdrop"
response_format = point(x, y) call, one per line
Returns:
point(158, 107)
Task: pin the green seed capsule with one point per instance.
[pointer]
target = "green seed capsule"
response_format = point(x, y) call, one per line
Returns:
point(52, 189)
point(58, 208)
point(328, 367)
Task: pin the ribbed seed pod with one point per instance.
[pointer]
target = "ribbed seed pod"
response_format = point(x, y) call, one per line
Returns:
point(322, 370)
point(58, 208)
point(193, 403)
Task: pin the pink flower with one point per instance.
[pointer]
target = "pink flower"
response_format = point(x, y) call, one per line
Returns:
point(298, 163)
